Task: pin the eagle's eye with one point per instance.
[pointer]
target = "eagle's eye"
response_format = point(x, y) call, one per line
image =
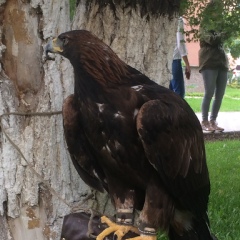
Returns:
point(64, 41)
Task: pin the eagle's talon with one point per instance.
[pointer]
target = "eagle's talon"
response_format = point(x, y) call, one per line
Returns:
point(115, 237)
point(118, 236)
point(119, 233)
point(106, 220)
point(118, 230)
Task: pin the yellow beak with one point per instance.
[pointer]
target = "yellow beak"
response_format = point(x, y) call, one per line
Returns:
point(54, 46)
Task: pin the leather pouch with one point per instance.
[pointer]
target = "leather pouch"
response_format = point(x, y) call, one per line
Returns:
point(85, 226)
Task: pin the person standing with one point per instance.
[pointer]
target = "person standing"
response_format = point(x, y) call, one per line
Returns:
point(180, 52)
point(213, 63)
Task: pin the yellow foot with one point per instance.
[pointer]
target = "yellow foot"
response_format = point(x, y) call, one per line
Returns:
point(118, 230)
point(144, 237)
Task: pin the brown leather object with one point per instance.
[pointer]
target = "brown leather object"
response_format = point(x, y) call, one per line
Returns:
point(77, 226)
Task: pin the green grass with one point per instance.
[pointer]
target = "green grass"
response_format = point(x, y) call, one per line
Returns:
point(230, 103)
point(223, 158)
point(224, 206)
point(232, 92)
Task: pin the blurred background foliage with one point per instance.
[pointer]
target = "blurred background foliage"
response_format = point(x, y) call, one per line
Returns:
point(223, 16)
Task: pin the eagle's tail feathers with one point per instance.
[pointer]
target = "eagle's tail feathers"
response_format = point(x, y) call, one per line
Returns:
point(200, 231)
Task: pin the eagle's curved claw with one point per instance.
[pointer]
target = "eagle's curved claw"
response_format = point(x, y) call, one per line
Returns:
point(118, 230)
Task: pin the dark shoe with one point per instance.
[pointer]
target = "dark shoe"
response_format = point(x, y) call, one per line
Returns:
point(215, 126)
point(206, 127)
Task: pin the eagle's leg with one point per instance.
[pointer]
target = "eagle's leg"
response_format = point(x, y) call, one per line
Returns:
point(157, 212)
point(124, 217)
point(146, 233)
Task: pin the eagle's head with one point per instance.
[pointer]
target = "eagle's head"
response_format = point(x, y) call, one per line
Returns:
point(75, 44)
point(88, 52)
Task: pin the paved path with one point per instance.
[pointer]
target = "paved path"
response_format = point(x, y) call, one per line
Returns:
point(230, 121)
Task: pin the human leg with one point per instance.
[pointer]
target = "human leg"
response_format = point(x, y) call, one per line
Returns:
point(221, 83)
point(177, 82)
point(209, 80)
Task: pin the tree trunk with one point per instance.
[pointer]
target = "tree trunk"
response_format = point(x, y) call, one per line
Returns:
point(38, 183)
point(144, 42)
point(30, 84)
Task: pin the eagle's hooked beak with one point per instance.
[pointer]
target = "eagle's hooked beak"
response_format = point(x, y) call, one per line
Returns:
point(54, 46)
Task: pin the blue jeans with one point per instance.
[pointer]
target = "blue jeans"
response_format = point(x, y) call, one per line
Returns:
point(177, 82)
point(215, 81)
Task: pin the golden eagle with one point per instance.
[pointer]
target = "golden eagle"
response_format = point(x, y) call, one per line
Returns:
point(137, 140)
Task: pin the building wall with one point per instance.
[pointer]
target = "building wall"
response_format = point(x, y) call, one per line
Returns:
point(193, 48)
point(195, 83)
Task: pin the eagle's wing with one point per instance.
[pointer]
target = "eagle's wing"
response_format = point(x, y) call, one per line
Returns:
point(81, 151)
point(173, 143)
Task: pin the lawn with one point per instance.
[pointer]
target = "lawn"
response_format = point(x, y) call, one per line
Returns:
point(223, 159)
point(230, 103)
point(224, 207)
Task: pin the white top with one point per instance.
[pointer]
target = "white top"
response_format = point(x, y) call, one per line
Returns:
point(180, 49)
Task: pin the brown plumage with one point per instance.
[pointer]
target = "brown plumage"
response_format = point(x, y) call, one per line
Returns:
point(137, 140)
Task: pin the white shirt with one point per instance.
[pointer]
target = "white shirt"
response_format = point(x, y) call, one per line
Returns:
point(180, 49)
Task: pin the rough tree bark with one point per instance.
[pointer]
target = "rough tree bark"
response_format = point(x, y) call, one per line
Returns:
point(29, 83)
point(143, 41)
